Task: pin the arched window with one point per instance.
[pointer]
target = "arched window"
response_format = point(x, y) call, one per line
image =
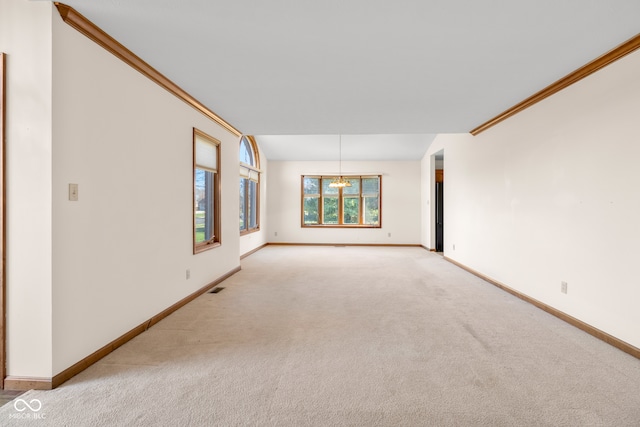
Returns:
point(249, 185)
point(246, 152)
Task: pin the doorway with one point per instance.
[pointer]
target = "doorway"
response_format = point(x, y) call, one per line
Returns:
point(438, 214)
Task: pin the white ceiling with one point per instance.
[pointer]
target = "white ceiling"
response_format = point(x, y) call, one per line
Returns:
point(301, 67)
point(352, 147)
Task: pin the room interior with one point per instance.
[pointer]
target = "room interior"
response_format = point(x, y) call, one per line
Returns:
point(351, 335)
point(540, 200)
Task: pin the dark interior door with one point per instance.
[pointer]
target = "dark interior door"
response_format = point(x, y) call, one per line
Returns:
point(439, 216)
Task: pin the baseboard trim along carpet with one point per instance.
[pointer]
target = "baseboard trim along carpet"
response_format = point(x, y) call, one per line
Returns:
point(253, 251)
point(601, 335)
point(28, 383)
point(404, 245)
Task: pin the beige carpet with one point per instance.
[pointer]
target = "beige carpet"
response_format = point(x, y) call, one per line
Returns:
point(351, 336)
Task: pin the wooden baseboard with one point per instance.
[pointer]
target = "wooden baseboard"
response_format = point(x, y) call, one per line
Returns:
point(158, 317)
point(253, 251)
point(410, 245)
point(26, 383)
point(601, 335)
point(97, 355)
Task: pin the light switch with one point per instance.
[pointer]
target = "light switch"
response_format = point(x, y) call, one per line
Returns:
point(73, 192)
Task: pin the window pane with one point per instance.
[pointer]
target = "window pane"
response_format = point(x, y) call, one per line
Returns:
point(355, 186)
point(311, 185)
point(370, 186)
point(311, 210)
point(330, 210)
point(206, 199)
point(253, 204)
point(246, 152)
point(351, 210)
point(325, 186)
point(243, 211)
point(204, 202)
point(249, 188)
point(371, 210)
point(358, 204)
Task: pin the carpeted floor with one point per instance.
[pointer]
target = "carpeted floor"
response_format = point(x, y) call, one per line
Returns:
point(351, 336)
point(7, 396)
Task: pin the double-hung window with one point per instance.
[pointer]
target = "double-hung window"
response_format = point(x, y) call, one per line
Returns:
point(355, 205)
point(249, 186)
point(206, 192)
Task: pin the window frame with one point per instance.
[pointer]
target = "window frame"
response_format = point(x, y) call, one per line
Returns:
point(321, 195)
point(216, 240)
point(251, 170)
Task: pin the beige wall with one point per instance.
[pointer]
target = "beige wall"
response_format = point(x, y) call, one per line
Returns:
point(551, 195)
point(25, 36)
point(81, 274)
point(120, 253)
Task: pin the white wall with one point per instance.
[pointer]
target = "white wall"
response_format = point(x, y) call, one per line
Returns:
point(25, 36)
point(400, 203)
point(251, 241)
point(121, 252)
point(551, 195)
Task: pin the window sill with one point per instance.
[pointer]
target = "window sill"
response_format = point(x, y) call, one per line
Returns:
point(205, 247)
point(341, 226)
point(245, 232)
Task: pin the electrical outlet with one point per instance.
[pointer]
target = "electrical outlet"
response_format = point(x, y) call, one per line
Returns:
point(188, 274)
point(563, 287)
point(389, 234)
point(275, 234)
point(454, 246)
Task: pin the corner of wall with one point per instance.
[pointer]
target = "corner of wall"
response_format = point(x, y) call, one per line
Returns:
point(26, 29)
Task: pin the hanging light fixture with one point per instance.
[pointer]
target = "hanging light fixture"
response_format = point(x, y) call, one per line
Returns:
point(340, 182)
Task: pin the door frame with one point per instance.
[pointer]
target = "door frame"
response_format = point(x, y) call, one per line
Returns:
point(3, 252)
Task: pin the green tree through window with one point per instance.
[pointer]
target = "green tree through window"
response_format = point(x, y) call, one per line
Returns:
point(249, 185)
point(357, 205)
point(206, 191)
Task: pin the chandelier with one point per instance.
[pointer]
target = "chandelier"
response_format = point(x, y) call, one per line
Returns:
point(340, 182)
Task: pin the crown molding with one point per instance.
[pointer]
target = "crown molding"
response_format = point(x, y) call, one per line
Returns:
point(83, 25)
point(579, 74)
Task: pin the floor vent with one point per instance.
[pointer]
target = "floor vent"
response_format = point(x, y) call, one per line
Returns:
point(216, 290)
